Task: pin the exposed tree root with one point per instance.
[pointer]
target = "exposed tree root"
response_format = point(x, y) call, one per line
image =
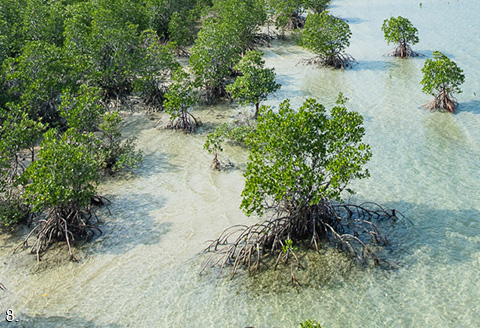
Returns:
point(211, 94)
point(58, 225)
point(296, 21)
point(186, 122)
point(217, 165)
point(264, 39)
point(15, 168)
point(259, 39)
point(13, 208)
point(403, 50)
point(339, 60)
point(351, 227)
point(154, 100)
point(98, 200)
point(182, 52)
point(442, 101)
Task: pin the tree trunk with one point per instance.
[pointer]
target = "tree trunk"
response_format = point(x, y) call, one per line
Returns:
point(257, 108)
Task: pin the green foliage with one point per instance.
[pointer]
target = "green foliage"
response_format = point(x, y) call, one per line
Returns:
point(11, 16)
point(65, 174)
point(12, 211)
point(442, 79)
point(11, 13)
point(85, 113)
point(78, 31)
point(155, 70)
point(116, 14)
point(441, 75)
point(310, 324)
point(299, 164)
point(243, 16)
point(60, 59)
point(17, 132)
point(300, 158)
point(289, 13)
point(215, 53)
point(221, 41)
point(255, 83)
point(214, 141)
point(181, 95)
point(31, 20)
point(317, 6)
point(326, 35)
point(286, 11)
point(288, 246)
point(118, 54)
point(43, 21)
point(61, 44)
point(114, 56)
point(4, 41)
point(399, 31)
point(181, 30)
point(161, 11)
point(82, 110)
point(36, 79)
point(60, 186)
point(115, 152)
point(237, 133)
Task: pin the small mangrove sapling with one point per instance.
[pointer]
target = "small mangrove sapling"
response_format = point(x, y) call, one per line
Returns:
point(255, 83)
point(442, 79)
point(327, 36)
point(402, 33)
point(178, 101)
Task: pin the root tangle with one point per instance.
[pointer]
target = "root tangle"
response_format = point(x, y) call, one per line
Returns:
point(350, 227)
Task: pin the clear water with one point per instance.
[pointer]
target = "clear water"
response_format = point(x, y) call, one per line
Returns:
point(144, 270)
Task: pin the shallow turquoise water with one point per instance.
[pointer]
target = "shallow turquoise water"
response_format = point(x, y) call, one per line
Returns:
point(144, 270)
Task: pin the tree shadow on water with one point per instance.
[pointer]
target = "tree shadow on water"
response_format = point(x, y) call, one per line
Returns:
point(131, 223)
point(355, 20)
point(375, 65)
point(434, 234)
point(428, 53)
point(472, 106)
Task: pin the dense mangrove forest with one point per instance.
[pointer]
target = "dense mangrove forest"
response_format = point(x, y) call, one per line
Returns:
point(239, 163)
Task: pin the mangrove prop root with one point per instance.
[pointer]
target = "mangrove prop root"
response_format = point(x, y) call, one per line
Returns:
point(262, 39)
point(212, 93)
point(339, 60)
point(351, 227)
point(182, 52)
point(186, 122)
point(296, 21)
point(98, 200)
point(259, 39)
point(403, 50)
point(58, 225)
point(442, 101)
point(216, 165)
